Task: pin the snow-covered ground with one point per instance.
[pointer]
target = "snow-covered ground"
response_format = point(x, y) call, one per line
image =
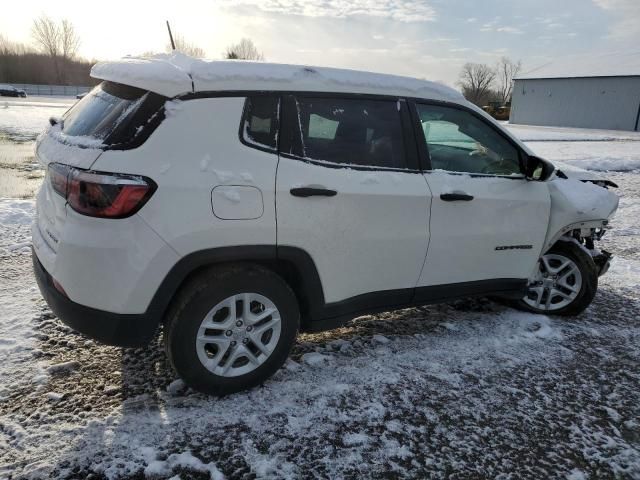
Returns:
point(469, 389)
point(600, 150)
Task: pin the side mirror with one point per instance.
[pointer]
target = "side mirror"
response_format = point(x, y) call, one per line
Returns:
point(538, 169)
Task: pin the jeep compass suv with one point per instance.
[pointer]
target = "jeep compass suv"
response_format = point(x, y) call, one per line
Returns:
point(237, 203)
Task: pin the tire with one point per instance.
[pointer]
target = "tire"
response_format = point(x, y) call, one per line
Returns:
point(580, 291)
point(224, 344)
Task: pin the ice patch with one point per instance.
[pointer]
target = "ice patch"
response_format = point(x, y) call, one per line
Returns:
point(63, 368)
point(315, 359)
point(380, 339)
point(163, 468)
point(55, 396)
point(175, 387)
point(352, 439)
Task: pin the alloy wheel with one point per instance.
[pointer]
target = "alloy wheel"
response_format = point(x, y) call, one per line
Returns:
point(556, 284)
point(238, 334)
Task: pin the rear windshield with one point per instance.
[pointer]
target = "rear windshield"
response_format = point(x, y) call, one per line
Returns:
point(111, 113)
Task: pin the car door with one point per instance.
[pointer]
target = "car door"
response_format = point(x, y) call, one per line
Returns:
point(488, 222)
point(350, 194)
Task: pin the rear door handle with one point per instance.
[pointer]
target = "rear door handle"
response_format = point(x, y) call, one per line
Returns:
point(454, 197)
point(312, 192)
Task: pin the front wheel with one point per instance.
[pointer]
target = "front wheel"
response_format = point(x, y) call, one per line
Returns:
point(565, 282)
point(231, 328)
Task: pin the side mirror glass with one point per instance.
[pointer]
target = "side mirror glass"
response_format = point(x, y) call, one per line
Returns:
point(538, 169)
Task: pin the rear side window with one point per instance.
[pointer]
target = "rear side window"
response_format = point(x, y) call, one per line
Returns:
point(111, 113)
point(260, 122)
point(351, 131)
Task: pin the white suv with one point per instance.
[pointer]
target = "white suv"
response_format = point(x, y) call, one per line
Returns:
point(236, 203)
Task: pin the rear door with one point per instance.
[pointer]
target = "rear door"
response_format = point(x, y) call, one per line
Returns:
point(488, 222)
point(350, 194)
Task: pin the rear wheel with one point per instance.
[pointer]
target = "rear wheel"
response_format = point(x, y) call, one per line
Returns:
point(231, 328)
point(565, 282)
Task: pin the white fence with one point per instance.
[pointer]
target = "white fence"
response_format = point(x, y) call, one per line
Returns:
point(52, 90)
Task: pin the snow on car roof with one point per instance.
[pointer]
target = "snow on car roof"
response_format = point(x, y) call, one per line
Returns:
point(612, 64)
point(176, 74)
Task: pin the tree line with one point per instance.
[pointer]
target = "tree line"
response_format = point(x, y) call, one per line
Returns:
point(52, 56)
point(481, 83)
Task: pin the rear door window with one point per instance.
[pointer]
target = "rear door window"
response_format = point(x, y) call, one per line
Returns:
point(351, 131)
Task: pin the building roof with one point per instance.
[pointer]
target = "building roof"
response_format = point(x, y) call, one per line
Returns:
point(177, 74)
point(614, 64)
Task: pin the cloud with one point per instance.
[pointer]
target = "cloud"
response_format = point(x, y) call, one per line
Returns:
point(400, 10)
point(513, 30)
point(492, 27)
point(627, 14)
point(472, 20)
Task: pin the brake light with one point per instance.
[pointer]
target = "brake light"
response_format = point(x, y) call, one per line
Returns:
point(104, 195)
point(59, 176)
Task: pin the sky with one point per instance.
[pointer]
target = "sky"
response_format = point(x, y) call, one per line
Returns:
point(429, 39)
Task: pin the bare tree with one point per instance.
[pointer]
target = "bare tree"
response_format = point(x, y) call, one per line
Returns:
point(46, 34)
point(506, 70)
point(182, 45)
point(244, 50)
point(476, 80)
point(69, 40)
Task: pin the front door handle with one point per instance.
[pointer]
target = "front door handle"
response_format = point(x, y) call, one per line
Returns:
point(457, 196)
point(312, 192)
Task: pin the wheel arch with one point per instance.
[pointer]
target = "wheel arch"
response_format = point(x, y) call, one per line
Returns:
point(554, 237)
point(294, 265)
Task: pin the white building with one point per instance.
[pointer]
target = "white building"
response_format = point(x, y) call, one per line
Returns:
point(595, 91)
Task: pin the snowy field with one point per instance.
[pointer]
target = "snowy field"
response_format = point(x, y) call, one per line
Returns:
point(469, 389)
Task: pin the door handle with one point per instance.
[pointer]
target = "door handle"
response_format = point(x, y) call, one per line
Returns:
point(312, 192)
point(453, 197)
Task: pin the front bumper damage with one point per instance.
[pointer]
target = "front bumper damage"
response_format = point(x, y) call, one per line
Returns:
point(602, 261)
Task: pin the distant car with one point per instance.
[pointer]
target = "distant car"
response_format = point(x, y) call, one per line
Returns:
point(9, 91)
point(80, 96)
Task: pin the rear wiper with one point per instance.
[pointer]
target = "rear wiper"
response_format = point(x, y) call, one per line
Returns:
point(55, 121)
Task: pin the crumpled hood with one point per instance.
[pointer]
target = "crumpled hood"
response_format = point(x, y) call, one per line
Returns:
point(577, 173)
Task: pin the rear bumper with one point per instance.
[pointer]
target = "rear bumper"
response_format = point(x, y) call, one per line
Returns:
point(123, 330)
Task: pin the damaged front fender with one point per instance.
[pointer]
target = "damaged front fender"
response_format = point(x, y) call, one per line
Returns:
point(578, 205)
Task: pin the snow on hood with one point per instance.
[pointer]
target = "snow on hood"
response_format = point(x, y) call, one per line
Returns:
point(576, 173)
point(574, 201)
point(176, 73)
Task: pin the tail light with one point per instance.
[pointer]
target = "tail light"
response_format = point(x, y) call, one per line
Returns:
point(104, 195)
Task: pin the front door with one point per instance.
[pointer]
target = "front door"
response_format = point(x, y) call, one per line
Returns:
point(349, 193)
point(488, 223)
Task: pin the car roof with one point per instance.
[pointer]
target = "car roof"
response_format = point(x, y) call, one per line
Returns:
point(176, 74)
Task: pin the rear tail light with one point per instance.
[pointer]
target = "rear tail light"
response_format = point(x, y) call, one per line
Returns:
point(105, 195)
